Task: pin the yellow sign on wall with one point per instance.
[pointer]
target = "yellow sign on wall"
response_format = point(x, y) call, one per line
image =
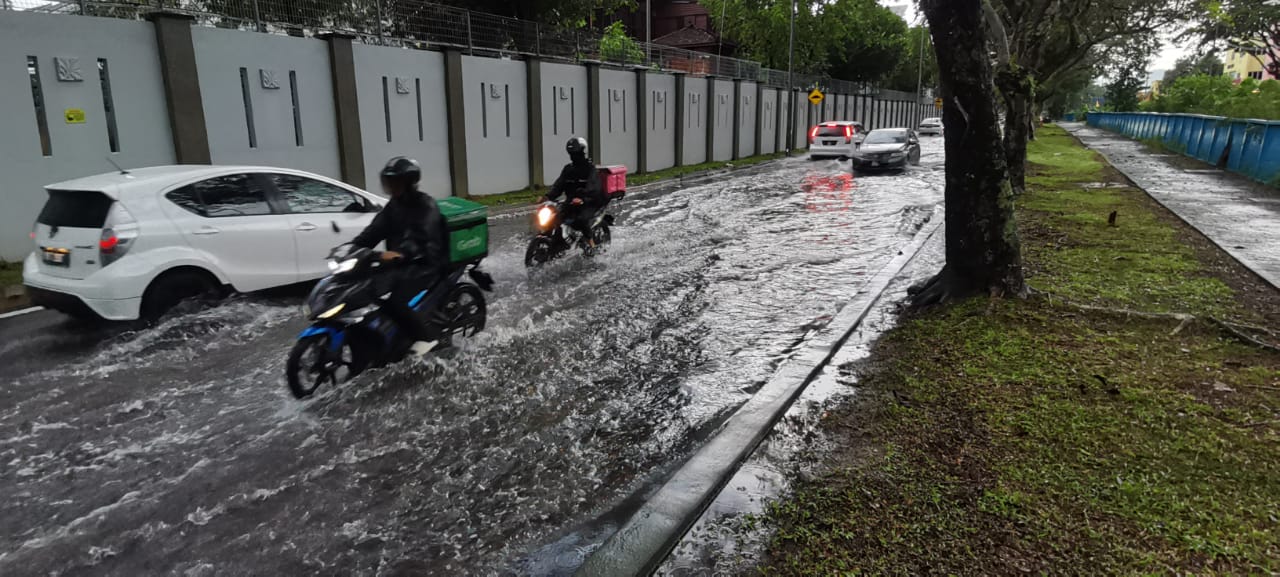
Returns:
point(74, 116)
point(816, 97)
point(937, 103)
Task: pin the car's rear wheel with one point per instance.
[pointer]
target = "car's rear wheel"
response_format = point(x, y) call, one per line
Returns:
point(175, 287)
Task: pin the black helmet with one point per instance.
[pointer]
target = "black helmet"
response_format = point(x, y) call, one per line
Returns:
point(576, 145)
point(403, 169)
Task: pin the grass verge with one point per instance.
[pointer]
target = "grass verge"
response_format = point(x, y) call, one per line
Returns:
point(998, 437)
point(10, 273)
point(530, 195)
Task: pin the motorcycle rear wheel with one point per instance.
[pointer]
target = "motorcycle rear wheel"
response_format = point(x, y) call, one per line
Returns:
point(465, 312)
point(311, 364)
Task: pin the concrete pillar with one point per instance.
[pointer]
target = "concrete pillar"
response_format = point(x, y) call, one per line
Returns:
point(642, 121)
point(711, 118)
point(681, 115)
point(594, 139)
point(756, 148)
point(346, 105)
point(534, 90)
point(457, 122)
point(181, 87)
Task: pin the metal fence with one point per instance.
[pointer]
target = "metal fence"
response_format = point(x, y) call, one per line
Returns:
point(424, 25)
point(1249, 147)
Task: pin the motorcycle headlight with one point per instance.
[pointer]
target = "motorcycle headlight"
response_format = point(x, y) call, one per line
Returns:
point(338, 267)
point(545, 216)
point(332, 312)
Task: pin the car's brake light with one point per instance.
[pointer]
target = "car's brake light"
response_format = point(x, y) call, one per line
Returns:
point(848, 134)
point(813, 133)
point(108, 242)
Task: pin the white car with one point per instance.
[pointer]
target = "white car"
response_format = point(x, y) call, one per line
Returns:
point(836, 139)
point(930, 126)
point(129, 245)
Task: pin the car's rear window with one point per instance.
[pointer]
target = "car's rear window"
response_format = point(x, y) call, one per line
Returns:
point(75, 209)
point(830, 131)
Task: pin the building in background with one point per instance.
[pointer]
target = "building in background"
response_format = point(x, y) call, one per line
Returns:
point(1246, 62)
point(678, 23)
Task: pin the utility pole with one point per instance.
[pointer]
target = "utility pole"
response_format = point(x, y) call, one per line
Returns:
point(791, 84)
point(648, 32)
point(920, 72)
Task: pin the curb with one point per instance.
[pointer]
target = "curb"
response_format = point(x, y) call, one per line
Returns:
point(1264, 277)
point(645, 540)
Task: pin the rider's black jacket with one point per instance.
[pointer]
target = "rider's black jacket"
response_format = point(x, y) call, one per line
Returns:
point(412, 225)
point(579, 179)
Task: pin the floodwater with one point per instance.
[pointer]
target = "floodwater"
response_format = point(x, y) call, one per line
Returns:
point(178, 449)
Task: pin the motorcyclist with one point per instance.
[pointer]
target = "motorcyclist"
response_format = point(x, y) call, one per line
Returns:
point(580, 185)
point(417, 247)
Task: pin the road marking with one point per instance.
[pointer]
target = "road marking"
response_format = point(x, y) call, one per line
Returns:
point(20, 312)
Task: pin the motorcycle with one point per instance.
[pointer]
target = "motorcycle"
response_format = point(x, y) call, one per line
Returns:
point(556, 237)
point(350, 333)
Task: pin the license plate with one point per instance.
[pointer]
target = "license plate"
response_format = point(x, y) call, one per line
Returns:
point(875, 163)
point(828, 143)
point(57, 256)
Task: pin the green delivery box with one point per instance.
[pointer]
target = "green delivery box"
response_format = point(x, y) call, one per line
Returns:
point(468, 229)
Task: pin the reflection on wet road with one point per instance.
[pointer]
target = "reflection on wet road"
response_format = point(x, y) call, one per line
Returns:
point(178, 449)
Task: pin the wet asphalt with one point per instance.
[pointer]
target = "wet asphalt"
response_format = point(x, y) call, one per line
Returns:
point(178, 450)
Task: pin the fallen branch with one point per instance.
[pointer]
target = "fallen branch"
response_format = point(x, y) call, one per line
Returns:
point(1263, 387)
point(1184, 319)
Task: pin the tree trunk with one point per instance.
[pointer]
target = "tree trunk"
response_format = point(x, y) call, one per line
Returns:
point(983, 252)
point(1015, 88)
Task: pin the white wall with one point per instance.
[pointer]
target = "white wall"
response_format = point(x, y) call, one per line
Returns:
point(802, 120)
point(495, 106)
point(415, 103)
point(660, 147)
point(564, 114)
point(220, 54)
point(768, 121)
point(723, 120)
point(77, 150)
point(619, 133)
point(749, 107)
point(695, 120)
point(784, 100)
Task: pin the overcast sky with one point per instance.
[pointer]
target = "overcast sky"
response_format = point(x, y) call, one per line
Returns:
point(1169, 53)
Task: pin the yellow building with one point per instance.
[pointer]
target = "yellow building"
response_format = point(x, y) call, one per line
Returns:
point(1245, 63)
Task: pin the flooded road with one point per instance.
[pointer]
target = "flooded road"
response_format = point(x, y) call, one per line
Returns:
point(178, 449)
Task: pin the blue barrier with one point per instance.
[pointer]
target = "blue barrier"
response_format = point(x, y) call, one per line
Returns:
point(1245, 146)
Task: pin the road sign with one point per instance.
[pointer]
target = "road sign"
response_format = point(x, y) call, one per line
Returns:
point(816, 97)
point(937, 103)
point(74, 116)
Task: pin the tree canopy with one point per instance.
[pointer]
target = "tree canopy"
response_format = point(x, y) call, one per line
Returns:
point(1207, 64)
point(857, 40)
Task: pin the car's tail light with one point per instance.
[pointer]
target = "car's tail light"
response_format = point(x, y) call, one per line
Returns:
point(813, 133)
point(118, 234)
point(848, 134)
point(109, 241)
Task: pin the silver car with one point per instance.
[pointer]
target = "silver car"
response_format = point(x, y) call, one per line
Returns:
point(930, 126)
point(835, 139)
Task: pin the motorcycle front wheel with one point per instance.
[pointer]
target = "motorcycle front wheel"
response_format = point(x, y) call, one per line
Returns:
point(312, 363)
point(541, 249)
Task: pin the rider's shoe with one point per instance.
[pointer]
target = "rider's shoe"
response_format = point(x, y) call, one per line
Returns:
point(421, 348)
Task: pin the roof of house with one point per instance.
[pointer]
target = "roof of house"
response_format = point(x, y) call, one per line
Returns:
point(687, 36)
